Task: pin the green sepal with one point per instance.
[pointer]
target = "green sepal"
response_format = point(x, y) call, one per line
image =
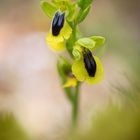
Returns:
point(99, 41)
point(61, 4)
point(82, 14)
point(86, 42)
point(80, 44)
point(77, 52)
point(64, 67)
point(83, 4)
point(48, 8)
point(71, 12)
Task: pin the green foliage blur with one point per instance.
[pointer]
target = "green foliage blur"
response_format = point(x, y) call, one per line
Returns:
point(10, 129)
point(113, 124)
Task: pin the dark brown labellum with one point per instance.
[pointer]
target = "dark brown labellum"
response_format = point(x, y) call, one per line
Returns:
point(90, 63)
point(58, 23)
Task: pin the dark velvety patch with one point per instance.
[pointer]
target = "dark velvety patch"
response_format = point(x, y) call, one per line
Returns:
point(90, 63)
point(58, 23)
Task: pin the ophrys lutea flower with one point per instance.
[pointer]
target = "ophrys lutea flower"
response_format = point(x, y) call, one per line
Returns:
point(64, 69)
point(59, 32)
point(87, 67)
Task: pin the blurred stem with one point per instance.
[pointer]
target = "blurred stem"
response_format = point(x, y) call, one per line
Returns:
point(75, 105)
point(71, 41)
point(71, 92)
point(75, 92)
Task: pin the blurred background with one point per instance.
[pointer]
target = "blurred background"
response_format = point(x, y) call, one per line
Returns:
point(30, 87)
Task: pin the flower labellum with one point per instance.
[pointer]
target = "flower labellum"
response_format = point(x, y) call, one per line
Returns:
point(59, 32)
point(58, 23)
point(90, 63)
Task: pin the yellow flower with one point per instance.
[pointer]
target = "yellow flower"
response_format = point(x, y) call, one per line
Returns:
point(88, 68)
point(71, 82)
point(60, 31)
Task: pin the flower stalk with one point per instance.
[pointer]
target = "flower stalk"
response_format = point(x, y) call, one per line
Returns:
point(76, 92)
point(84, 66)
point(75, 105)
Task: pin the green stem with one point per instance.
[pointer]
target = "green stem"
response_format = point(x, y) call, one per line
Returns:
point(74, 92)
point(75, 105)
point(70, 43)
point(75, 99)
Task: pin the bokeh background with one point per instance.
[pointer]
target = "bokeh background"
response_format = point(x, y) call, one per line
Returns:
point(30, 87)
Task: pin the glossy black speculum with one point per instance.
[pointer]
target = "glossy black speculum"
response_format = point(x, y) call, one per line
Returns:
point(90, 63)
point(58, 23)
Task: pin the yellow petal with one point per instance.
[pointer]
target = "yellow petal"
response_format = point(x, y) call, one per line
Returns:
point(79, 71)
point(66, 31)
point(71, 82)
point(57, 43)
point(56, 46)
point(81, 74)
point(51, 38)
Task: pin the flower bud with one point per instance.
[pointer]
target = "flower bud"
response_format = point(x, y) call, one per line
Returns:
point(58, 23)
point(90, 63)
